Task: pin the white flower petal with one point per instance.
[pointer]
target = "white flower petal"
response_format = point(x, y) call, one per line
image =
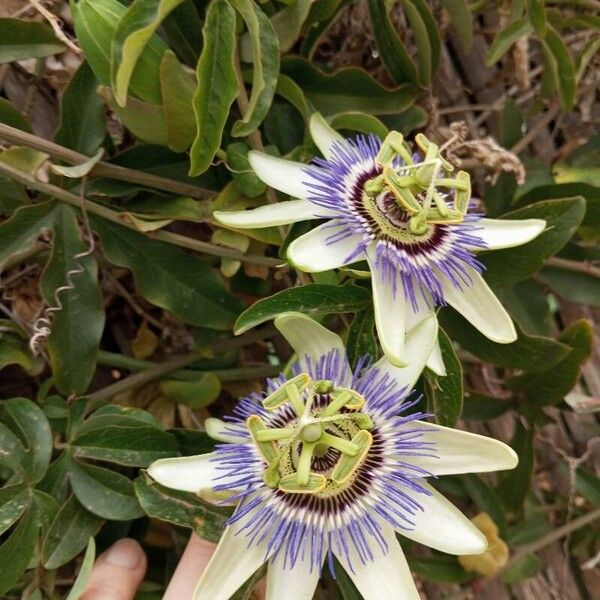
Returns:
point(435, 362)
point(418, 347)
point(229, 567)
point(187, 473)
point(440, 525)
point(507, 233)
point(388, 577)
point(309, 338)
point(323, 135)
point(280, 213)
point(297, 583)
point(311, 252)
point(390, 316)
point(478, 304)
point(284, 175)
point(462, 452)
point(414, 317)
point(216, 429)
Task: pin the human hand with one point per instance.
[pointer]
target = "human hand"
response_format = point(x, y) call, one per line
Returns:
point(119, 571)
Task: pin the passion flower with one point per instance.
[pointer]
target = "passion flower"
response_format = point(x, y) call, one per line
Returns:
point(406, 214)
point(331, 463)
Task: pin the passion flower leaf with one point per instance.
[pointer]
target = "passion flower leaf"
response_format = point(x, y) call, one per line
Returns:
point(393, 53)
point(462, 21)
point(85, 572)
point(103, 492)
point(446, 393)
point(95, 24)
point(14, 499)
point(20, 40)
point(77, 327)
point(506, 38)
point(265, 65)
point(529, 352)
point(312, 300)
point(507, 267)
point(83, 125)
point(361, 340)
point(17, 551)
point(170, 278)
point(557, 52)
point(134, 30)
point(69, 533)
point(552, 385)
point(349, 89)
point(180, 508)
point(217, 84)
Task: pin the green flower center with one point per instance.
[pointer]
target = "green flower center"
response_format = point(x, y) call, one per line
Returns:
point(322, 446)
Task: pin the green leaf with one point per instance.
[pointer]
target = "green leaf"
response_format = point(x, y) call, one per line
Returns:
point(22, 230)
point(170, 278)
point(17, 551)
point(440, 568)
point(393, 53)
point(511, 124)
point(537, 16)
point(345, 584)
point(177, 89)
point(183, 31)
point(357, 121)
point(486, 500)
point(12, 196)
point(349, 89)
point(123, 441)
point(514, 484)
point(29, 423)
point(312, 300)
point(446, 393)
point(572, 285)
point(244, 178)
point(217, 84)
point(82, 126)
point(528, 305)
point(506, 38)
point(426, 38)
point(552, 385)
point(265, 66)
point(78, 325)
point(14, 499)
point(85, 572)
point(361, 340)
point(9, 115)
point(20, 40)
point(195, 394)
point(529, 529)
point(133, 32)
point(95, 24)
point(103, 492)
point(69, 534)
point(564, 67)
point(144, 119)
point(507, 267)
point(13, 453)
point(524, 568)
point(15, 351)
point(528, 353)
point(462, 21)
point(180, 508)
point(477, 407)
point(287, 24)
point(287, 88)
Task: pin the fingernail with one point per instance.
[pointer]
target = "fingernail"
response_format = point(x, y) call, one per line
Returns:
point(125, 554)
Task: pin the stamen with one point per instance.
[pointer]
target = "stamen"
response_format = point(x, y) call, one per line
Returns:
point(348, 464)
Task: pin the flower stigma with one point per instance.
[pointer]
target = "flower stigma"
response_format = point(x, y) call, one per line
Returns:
point(322, 442)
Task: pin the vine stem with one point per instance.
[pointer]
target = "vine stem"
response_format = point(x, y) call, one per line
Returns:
point(101, 169)
point(574, 265)
point(111, 215)
point(150, 371)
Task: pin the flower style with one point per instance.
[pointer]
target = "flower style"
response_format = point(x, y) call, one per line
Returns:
point(330, 463)
point(405, 214)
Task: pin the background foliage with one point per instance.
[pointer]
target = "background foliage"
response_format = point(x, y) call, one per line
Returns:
point(144, 114)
